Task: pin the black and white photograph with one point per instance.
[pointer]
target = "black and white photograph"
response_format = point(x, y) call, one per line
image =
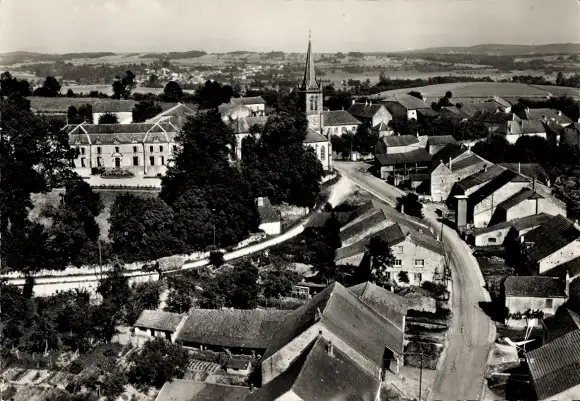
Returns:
point(289, 200)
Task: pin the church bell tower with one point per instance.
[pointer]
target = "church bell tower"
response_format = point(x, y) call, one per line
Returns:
point(312, 93)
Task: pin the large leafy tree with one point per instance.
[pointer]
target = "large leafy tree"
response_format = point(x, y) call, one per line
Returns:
point(13, 86)
point(410, 204)
point(122, 87)
point(283, 168)
point(381, 257)
point(206, 188)
point(141, 228)
point(108, 118)
point(144, 110)
point(212, 94)
point(237, 288)
point(50, 88)
point(172, 92)
point(83, 113)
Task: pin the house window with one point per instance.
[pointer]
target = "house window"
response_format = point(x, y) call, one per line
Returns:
point(135, 160)
point(549, 303)
point(134, 149)
point(98, 150)
point(418, 277)
point(162, 160)
point(399, 249)
point(161, 148)
point(116, 149)
point(322, 153)
point(82, 151)
point(117, 162)
point(492, 240)
point(175, 148)
point(419, 262)
point(83, 162)
point(152, 333)
point(99, 162)
point(388, 276)
point(151, 149)
point(151, 160)
point(398, 262)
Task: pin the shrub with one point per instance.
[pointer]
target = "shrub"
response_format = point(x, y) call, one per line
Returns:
point(76, 367)
point(437, 289)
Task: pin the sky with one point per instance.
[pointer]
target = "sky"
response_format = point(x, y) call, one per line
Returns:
point(61, 26)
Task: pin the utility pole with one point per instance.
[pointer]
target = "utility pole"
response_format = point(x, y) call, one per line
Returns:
point(100, 257)
point(420, 371)
point(351, 137)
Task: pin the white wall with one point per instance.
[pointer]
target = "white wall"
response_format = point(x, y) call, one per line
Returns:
point(272, 228)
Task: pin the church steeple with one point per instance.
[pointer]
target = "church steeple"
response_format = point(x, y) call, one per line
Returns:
point(309, 82)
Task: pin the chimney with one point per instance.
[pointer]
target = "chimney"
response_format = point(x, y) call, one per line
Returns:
point(251, 387)
point(319, 333)
point(567, 284)
point(450, 163)
point(527, 110)
point(260, 201)
point(352, 101)
point(534, 184)
point(330, 349)
point(522, 239)
point(317, 317)
point(559, 113)
point(519, 168)
point(402, 208)
point(485, 167)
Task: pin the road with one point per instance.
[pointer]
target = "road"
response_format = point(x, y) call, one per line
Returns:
point(471, 335)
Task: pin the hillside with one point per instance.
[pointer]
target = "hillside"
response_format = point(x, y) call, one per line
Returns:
point(503, 49)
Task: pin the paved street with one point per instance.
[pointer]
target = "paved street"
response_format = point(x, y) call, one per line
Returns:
point(472, 332)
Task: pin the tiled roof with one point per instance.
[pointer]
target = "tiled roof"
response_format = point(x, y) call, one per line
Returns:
point(555, 367)
point(158, 320)
point(360, 110)
point(381, 127)
point(551, 236)
point(387, 303)
point(179, 109)
point(242, 125)
point(572, 267)
point(189, 390)
point(425, 241)
point(453, 111)
point(473, 108)
point(449, 151)
point(465, 162)
point(318, 376)
point(494, 185)
point(441, 140)
point(492, 117)
point(519, 224)
point(392, 235)
point(532, 170)
point(534, 287)
point(516, 199)
point(501, 102)
point(120, 106)
point(313, 136)
point(338, 117)
point(361, 210)
point(427, 112)
point(537, 114)
point(570, 135)
point(410, 102)
point(358, 227)
point(400, 140)
point(122, 128)
point(563, 322)
point(85, 134)
point(414, 156)
point(247, 100)
point(481, 177)
point(231, 328)
point(319, 219)
point(348, 318)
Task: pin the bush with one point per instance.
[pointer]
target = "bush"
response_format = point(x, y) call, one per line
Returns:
point(437, 289)
point(76, 367)
point(117, 174)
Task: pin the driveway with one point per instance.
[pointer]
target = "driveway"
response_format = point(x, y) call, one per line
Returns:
point(461, 375)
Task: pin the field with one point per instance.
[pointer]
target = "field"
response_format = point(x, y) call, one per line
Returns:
point(109, 91)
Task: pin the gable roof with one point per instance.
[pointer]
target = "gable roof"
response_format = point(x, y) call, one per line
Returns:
point(318, 376)
point(413, 156)
point(453, 111)
point(362, 110)
point(392, 235)
point(481, 177)
point(550, 114)
point(495, 184)
point(572, 267)
point(392, 306)
point(410, 102)
point(338, 117)
point(179, 109)
point(400, 140)
point(244, 101)
point(449, 151)
point(319, 219)
point(494, 117)
point(231, 327)
point(189, 390)
point(563, 322)
point(551, 236)
point(342, 313)
point(441, 140)
point(555, 367)
point(532, 170)
point(473, 108)
point(382, 126)
point(518, 224)
point(534, 287)
point(519, 197)
point(361, 225)
point(85, 134)
point(159, 320)
point(425, 241)
point(469, 160)
point(313, 136)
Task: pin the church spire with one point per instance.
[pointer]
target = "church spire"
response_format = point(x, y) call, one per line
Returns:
point(309, 81)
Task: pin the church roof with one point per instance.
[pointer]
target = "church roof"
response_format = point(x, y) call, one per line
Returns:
point(313, 136)
point(309, 82)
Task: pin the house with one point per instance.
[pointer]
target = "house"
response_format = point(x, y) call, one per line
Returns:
point(400, 144)
point(370, 114)
point(387, 303)
point(156, 323)
point(555, 368)
point(448, 172)
point(122, 109)
point(190, 390)
point(270, 217)
point(454, 113)
point(256, 104)
point(552, 244)
point(497, 234)
point(336, 320)
point(321, 147)
point(569, 135)
point(339, 122)
point(177, 115)
point(404, 105)
point(545, 115)
point(236, 366)
point(364, 225)
point(396, 168)
point(472, 183)
point(528, 201)
point(243, 127)
point(518, 128)
point(496, 122)
point(418, 299)
point(565, 321)
point(243, 332)
point(531, 170)
point(525, 294)
point(437, 143)
point(143, 149)
point(381, 130)
point(427, 115)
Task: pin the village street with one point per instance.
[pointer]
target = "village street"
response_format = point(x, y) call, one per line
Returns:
point(460, 377)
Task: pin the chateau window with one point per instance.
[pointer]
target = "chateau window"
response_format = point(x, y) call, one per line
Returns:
point(152, 160)
point(162, 160)
point(419, 262)
point(151, 149)
point(82, 151)
point(99, 162)
point(397, 262)
point(116, 149)
point(322, 153)
point(134, 149)
point(549, 303)
point(161, 148)
point(98, 150)
point(175, 148)
point(399, 249)
point(135, 160)
point(83, 162)
point(418, 277)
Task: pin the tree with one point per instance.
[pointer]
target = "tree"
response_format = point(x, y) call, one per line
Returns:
point(78, 116)
point(122, 87)
point(70, 93)
point(237, 288)
point(50, 88)
point(13, 86)
point(339, 100)
point(145, 110)
point(410, 204)
point(278, 281)
point(416, 94)
point(364, 139)
point(172, 92)
point(212, 94)
point(108, 118)
point(153, 80)
point(141, 228)
point(143, 296)
point(381, 257)
point(157, 362)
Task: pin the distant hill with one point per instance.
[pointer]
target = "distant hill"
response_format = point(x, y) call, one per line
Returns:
point(176, 55)
point(31, 57)
point(555, 48)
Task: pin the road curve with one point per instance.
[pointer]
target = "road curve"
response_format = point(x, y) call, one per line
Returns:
point(461, 375)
